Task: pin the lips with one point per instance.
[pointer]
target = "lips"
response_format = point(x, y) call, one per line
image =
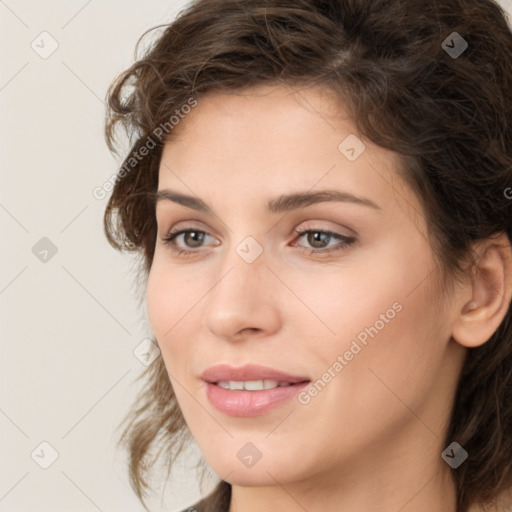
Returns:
point(224, 372)
point(249, 390)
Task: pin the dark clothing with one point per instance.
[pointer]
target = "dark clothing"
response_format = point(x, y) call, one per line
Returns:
point(217, 501)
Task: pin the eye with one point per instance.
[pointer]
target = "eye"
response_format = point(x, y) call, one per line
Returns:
point(192, 238)
point(319, 240)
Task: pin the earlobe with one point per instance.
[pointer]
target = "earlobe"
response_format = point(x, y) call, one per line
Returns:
point(488, 295)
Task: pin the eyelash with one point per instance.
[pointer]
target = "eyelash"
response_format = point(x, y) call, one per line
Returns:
point(345, 241)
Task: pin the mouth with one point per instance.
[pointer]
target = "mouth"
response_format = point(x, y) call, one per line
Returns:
point(251, 385)
point(250, 390)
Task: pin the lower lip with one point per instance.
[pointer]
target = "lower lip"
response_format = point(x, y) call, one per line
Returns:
point(250, 403)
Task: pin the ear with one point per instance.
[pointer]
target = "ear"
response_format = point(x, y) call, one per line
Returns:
point(486, 297)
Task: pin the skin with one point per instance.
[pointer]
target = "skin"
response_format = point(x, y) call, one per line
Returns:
point(372, 438)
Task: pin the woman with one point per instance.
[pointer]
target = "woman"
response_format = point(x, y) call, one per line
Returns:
point(321, 195)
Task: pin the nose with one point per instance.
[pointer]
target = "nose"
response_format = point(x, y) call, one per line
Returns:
point(243, 302)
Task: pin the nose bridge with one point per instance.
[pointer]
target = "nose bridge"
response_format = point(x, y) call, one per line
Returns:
point(244, 272)
point(239, 298)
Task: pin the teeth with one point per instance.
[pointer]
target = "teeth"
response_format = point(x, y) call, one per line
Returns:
point(251, 385)
point(255, 385)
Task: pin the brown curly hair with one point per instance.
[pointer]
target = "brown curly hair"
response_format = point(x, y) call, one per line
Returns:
point(448, 118)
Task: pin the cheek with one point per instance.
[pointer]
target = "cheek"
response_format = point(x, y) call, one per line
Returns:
point(361, 300)
point(389, 360)
point(382, 315)
point(158, 301)
point(170, 302)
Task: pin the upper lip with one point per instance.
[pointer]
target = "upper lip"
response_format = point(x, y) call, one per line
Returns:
point(225, 372)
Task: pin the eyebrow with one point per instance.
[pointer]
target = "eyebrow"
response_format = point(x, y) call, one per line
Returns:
point(282, 203)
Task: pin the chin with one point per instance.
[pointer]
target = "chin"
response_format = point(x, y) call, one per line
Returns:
point(271, 467)
point(262, 476)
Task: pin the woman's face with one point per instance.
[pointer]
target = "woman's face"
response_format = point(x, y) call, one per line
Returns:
point(346, 319)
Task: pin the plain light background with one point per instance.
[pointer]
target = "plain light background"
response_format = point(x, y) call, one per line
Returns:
point(70, 321)
point(69, 325)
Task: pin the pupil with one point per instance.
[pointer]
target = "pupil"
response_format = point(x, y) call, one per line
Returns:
point(315, 237)
point(196, 236)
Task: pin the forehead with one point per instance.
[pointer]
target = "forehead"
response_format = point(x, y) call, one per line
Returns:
point(274, 139)
point(267, 127)
point(269, 106)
